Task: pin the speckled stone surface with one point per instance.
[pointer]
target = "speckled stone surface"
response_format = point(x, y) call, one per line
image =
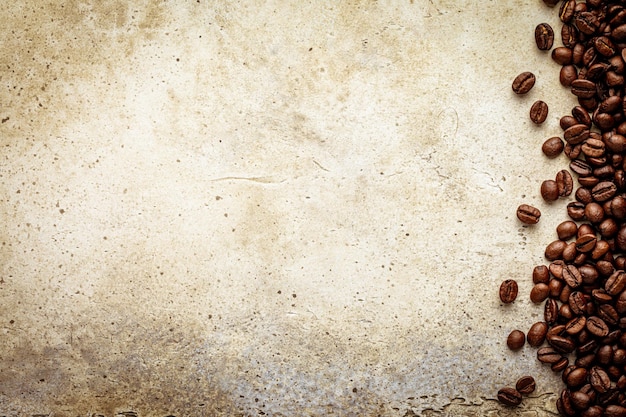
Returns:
point(279, 208)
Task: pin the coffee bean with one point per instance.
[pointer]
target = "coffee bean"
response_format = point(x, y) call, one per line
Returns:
point(597, 326)
point(562, 55)
point(525, 385)
point(537, 334)
point(575, 325)
point(541, 273)
point(528, 214)
point(583, 88)
point(554, 250)
point(551, 311)
point(576, 377)
point(566, 230)
point(516, 340)
point(552, 147)
point(586, 242)
point(544, 36)
point(538, 112)
point(604, 191)
point(576, 134)
point(599, 379)
point(564, 182)
point(539, 293)
point(562, 344)
point(580, 400)
point(523, 83)
point(567, 75)
point(572, 276)
point(508, 291)
point(509, 397)
point(560, 365)
point(615, 283)
point(614, 410)
point(549, 190)
point(548, 355)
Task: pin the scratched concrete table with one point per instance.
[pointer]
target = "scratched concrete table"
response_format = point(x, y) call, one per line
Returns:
point(270, 207)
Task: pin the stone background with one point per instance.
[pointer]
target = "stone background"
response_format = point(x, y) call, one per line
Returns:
point(273, 207)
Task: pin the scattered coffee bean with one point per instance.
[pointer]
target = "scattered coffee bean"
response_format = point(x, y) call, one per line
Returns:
point(528, 214)
point(537, 334)
point(509, 397)
point(538, 112)
point(525, 385)
point(553, 147)
point(549, 190)
point(523, 83)
point(508, 291)
point(544, 36)
point(516, 340)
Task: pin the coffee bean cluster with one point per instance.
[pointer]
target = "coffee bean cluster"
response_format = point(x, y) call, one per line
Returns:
point(582, 289)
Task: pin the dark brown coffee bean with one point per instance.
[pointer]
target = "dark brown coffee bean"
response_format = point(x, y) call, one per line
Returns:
point(582, 115)
point(593, 147)
point(581, 168)
point(564, 182)
point(551, 311)
point(539, 293)
point(575, 325)
point(599, 379)
point(508, 291)
point(604, 191)
point(538, 112)
point(548, 355)
point(544, 36)
point(620, 304)
point(615, 283)
point(566, 11)
point(572, 276)
point(607, 313)
point(556, 269)
point(537, 333)
point(525, 385)
point(614, 410)
point(567, 75)
point(583, 88)
point(586, 242)
point(600, 296)
point(555, 287)
point(615, 143)
point(523, 83)
point(541, 274)
point(597, 326)
point(552, 147)
point(576, 134)
point(604, 46)
point(562, 55)
point(549, 190)
point(576, 377)
point(593, 411)
point(586, 22)
point(572, 151)
point(566, 230)
point(509, 397)
point(562, 344)
point(560, 365)
point(580, 400)
point(554, 250)
point(577, 302)
point(516, 340)
point(528, 214)
point(594, 213)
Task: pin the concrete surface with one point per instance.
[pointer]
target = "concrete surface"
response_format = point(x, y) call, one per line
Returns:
point(274, 207)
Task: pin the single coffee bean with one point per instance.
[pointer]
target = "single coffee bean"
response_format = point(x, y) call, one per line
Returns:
point(509, 397)
point(562, 344)
point(560, 365)
point(562, 55)
point(569, 36)
point(538, 112)
point(583, 88)
point(615, 283)
point(525, 385)
point(547, 354)
point(566, 230)
point(580, 400)
point(597, 326)
point(539, 293)
point(554, 250)
point(599, 380)
point(528, 214)
point(594, 213)
point(556, 269)
point(537, 333)
point(593, 147)
point(544, 36)
point(551, 311)
point(541, 273)
point(586, 242)
point(572, 276)
point(576, 134)
point(604, 191)
point(577, 302)
point(582, 168)
point(516, 340)
point(564, 182)
point(549, 190)
point(575, 325)
point(604, 46)
point(576, 377)
point(552, 147)
point(508, 291)
point(608, 313)
point(523, 83)
point(614, 410)
point(582, 115)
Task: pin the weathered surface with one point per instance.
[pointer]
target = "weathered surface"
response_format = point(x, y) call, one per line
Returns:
point(224, 208)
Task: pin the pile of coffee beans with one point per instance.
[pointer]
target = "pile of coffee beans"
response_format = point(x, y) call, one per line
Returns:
point(583, 286)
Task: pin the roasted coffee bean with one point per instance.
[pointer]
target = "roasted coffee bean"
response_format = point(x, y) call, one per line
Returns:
point(509, 397)
point(575, 325)
point(572, 276)
point(583, 88)
point(544, 36)
point(537, 334)
point(562, 55)
point(548, 355)
point(593, 147)
point(564, 182)
point(554, 250)
point(562, 344)
point(566, 230)
point(580, 400)
point(523, 83)
point(594, 213)
point(604, 46)
point(551, 311)
point(538, 112)
point(549, 190)
point(608, 313)
point(516, 340)
point(555, 287)
point(508, 291)
point(541, 273)
point(556, 269)
point(583, 195)
point(586, 242)
point(567, 75)
point(528, 214)
point(614, 410)
point(599, 380)
point(560, 365)
point(604, 191)
point(552, 147)
point(539, 293)
point(597, 326)
point(582, 115)
point(576, 134)
point(581, 168)
point(615, 283)
point(525, 385)
point(577, 302)
point(576, 377)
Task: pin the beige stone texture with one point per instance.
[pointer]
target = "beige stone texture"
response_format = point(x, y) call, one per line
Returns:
point(281, 208)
